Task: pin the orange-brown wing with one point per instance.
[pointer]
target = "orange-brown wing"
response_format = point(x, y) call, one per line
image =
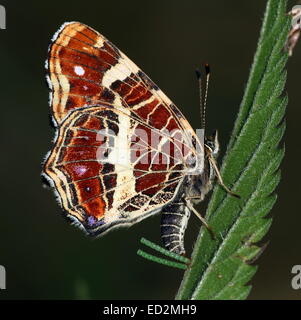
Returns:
point(94, 87)
point(85, 69)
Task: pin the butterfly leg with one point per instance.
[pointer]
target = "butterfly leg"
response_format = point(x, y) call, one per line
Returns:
point(204, 222)
point(219, 177)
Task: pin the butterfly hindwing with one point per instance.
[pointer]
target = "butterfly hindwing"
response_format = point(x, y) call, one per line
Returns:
point(107, 173)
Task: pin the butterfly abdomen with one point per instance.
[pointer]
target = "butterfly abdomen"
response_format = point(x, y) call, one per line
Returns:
point(173, 225)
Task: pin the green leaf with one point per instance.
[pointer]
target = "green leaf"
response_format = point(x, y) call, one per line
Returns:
point(222, 268)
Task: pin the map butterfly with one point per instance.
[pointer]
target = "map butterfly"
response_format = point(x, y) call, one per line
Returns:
point(122, 151)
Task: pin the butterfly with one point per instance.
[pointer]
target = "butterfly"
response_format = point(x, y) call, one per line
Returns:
point(122, 150)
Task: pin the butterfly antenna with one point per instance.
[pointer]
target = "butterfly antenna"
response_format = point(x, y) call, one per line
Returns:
point(203, 100)
point(207, 70)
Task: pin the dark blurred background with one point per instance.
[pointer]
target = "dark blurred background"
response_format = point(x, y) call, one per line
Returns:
point(44, 256)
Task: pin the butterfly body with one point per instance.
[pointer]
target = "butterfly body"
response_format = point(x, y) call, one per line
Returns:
point(123, 151)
